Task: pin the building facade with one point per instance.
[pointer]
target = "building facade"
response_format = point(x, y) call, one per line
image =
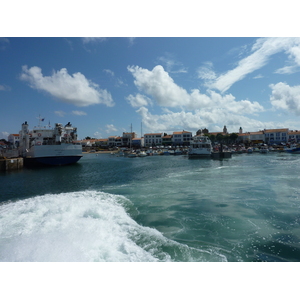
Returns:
point(182, 138)
point(276, 136)
point(294, 136)
point(14, 139)
point(153, 139)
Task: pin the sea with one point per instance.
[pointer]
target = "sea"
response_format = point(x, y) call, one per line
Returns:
point(109, 208)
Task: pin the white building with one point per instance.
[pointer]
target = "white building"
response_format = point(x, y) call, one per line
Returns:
point(294, 136)
point(275, 136)
point(182, 137)
point(14, 139)
point(152, 139)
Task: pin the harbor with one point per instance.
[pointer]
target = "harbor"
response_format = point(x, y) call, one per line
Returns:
point(157, 208)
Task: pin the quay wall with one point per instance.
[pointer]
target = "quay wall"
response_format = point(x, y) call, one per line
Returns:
point(7, 164)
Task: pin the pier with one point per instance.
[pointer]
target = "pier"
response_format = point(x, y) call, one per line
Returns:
point(7, 164)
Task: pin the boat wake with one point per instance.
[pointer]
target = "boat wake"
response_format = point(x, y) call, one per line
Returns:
point(83, 226)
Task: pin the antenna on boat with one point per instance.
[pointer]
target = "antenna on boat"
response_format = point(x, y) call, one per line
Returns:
point(40, 119)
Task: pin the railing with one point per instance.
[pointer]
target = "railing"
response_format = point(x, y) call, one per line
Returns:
point(9, 153)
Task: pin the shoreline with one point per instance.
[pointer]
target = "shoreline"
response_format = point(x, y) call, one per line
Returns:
point(100, 152)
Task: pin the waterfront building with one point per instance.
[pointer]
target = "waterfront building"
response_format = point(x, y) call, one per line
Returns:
point(153, 139)
point(251, 137)
point(257, 137)
point(127, 138)
point(276, 136)
point(14, 139)
point(101, 142)
point(138, 142)
point(114, 141)
point(182, 138)
point(294, 136)
point(167, 140)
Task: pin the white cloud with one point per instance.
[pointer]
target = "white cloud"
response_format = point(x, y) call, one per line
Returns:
point(74, 89)
point(4, 87)
point(192, 121)
point(79, 113)
point(110, 128)
point(60, 113)
point(205, 72)
point(287, 70)
point(169, 61)
point(4, 42)
point(138, 100)
point(87, 40)
point(160, 86)
point(4, 135)
point(262, 50)
point(165, 92)
point(110, 72)
point(131, 40)
point(97, 135)
point(286, 97)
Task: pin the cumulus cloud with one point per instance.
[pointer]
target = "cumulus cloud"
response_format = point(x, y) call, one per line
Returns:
point(138, 100)
point(165, 92)
point(160, 86)
point(74, 89)
point(262, 50)
point(202, 118)
point(79, 113)
point(110, 128)
point(286, 97)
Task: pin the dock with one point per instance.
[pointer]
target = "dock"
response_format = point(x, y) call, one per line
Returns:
point(7, 164)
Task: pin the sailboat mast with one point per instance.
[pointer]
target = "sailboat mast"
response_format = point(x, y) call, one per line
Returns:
point(130, 135)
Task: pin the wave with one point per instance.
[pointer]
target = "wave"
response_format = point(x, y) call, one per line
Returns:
point(79, 226)
point(83, 226)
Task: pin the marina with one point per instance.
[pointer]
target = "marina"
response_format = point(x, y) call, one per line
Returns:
point(113, 208)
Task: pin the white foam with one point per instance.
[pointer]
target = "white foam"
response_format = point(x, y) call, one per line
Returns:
point(79, 226)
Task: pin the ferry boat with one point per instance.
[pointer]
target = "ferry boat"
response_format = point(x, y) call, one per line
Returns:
point(200, 146)
point(49, 146)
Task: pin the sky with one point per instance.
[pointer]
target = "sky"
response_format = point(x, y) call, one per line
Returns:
point(150, 83)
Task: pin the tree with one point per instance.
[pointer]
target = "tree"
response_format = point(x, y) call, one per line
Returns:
point(87, 138)
point(233, 137)
point(219, 137)
point(212, 137)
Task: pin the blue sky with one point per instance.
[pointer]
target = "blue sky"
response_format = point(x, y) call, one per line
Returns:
point(103, 85)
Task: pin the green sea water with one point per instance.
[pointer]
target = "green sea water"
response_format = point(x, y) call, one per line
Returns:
point(159, 208)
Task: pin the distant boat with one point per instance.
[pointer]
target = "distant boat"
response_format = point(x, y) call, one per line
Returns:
point(132, 154)
point(264, 149)
point(142, 154)
point(295, 149)
point(250, 150)
point(200, 146)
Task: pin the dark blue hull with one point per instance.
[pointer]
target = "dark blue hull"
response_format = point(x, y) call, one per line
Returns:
point(52, 161)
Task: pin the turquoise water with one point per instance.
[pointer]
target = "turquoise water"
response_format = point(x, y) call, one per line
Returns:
point(159, 208)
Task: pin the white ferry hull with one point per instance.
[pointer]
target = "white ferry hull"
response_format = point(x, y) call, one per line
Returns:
point(54, 154)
